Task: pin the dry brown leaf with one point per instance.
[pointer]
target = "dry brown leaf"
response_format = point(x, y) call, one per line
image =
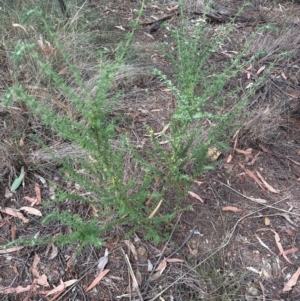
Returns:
point(96, 280)
point(261, 69)
point(235, 139)
point(198, 182)
point(63, 71)
point(196, 196)
point(247, 153)
point(232, 208)
point(18, 290)
point(13, 230)
point(268, 186)
point(132, 249)
point(278, 243)
point(289, 285)
point(161, 267)
point(58, 289)
point(174, 260)
point(155, 276)
point(71, 261)
point(35, 263)
point(156, 209)
point(291, 251)
point(252, 176)
point(10, 250)
point(54, 252)
point(42, 280)
point(33, 201)
point(283, 75)
point(15, 213)
point(37, 190)
point(254, 159)
point(229, 159)
point(31, 210)
point(102, 261)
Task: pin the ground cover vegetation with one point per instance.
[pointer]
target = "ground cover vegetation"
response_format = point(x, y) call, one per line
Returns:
point(124, 120)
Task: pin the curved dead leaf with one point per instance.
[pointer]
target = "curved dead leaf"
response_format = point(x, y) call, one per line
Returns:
point(58, 289)
point(252, 176)
point(196, 196)
point(38, 193)
point(18, 290)
point(261, 69)
point(292, 281)
point(161, 267)
point(33, 201)
point(15, 213)
point(31, 210)
point(96, 280)
point(54, 252)
point(174, 260)
point(291, 251)
point(229, 159)
point(42, 280)
point(132, 249)
point(278, 243)
point(103, 261)
point(10, 250)
point(247, 153)
point(268, 186)
point(35, 263)
point(232, 208)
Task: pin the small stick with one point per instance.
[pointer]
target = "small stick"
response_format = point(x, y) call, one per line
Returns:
point(135, 284)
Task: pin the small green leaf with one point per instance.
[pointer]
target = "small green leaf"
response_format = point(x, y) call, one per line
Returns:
point(17, 182)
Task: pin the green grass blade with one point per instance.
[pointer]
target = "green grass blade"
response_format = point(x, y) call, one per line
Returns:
point(17, 182)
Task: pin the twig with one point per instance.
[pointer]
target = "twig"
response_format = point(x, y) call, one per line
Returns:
point(135, 284)
point(184, 242)
point(267, 206)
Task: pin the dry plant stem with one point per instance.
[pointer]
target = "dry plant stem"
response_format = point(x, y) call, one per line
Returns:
point(135, 283)
point(227, 240)
point(184, 242)
point(267, 206)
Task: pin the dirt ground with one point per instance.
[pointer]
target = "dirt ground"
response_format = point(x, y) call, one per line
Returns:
point(240, 242)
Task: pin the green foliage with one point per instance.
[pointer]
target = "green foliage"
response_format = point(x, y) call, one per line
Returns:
point(119, 200)
point(17, 182)
point(199, 97)
point(83, 232)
